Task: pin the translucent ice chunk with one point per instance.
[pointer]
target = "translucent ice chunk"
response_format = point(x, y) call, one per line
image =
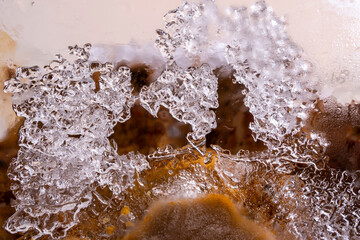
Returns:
point(189, 95)
point(64, 148)
point(270, 66)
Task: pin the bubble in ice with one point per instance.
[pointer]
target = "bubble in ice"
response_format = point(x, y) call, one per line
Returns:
point(65, 155)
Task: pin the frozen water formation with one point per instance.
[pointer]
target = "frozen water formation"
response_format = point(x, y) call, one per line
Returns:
point(63, 143)
point(65, 154)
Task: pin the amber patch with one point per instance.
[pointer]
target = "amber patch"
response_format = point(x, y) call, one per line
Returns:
point(210, 217)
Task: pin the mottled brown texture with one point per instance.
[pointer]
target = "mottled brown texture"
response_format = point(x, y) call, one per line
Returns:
point(210, 217)
point(340, 125)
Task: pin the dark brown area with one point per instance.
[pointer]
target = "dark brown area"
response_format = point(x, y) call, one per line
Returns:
point(8, 150)
point(140, 76)
point(233, 118)
point(145, 133)
point(341, 127)
point(96, 77)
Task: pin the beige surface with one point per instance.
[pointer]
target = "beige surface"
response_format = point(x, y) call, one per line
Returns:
point(328, 30)
point(7, 115)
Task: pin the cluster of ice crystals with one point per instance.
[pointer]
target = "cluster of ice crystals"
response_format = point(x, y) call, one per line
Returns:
point(254, 42)
point(333, 200)
point(279, 97)
point(313, 204)
point(64, 149)
point(113, 174)
point(276, 76)
point(65, 153)
point(195, 33)
point(178, 34)
point(189, 95)
point(271, 67)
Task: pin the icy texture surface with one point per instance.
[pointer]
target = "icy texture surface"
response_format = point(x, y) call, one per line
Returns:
point(266, 62)
point(64, 148)
point(188, 94)
point(271, 67)
point(194, 33)
point(66, 157)
point(334, 199)
point(269, 64)
point(185, 28)
point(313, 204)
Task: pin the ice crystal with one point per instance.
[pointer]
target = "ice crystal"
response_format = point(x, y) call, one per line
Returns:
point(64, 147)
point(188, 94)
point(275, 75)
point(178, 35)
